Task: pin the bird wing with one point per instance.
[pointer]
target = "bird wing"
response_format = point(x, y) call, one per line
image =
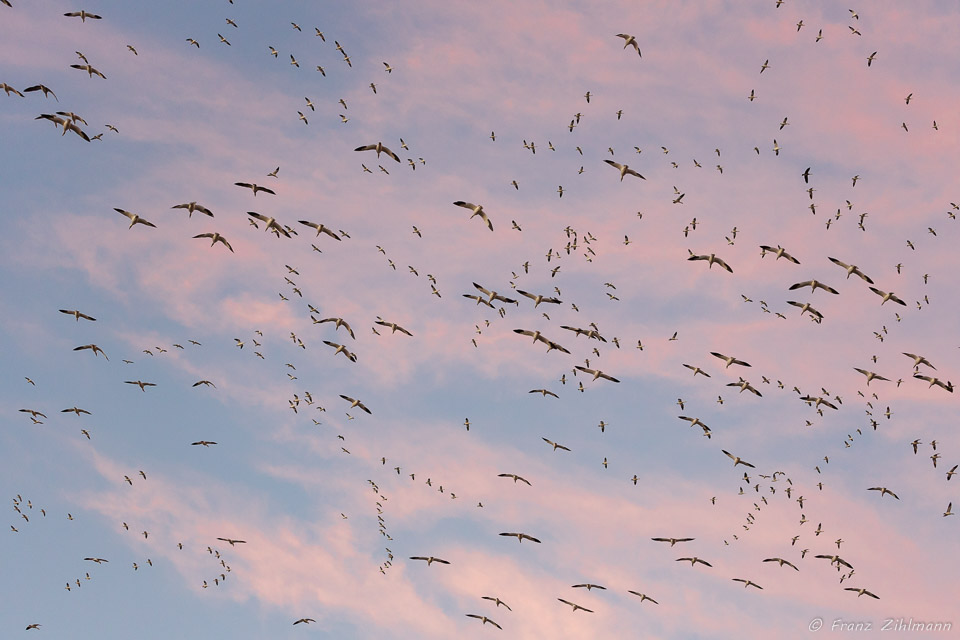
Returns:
point(482, 290)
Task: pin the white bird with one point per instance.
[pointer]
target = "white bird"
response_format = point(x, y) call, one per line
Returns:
point(89, 69)
point(379, 148)
point(737, 460)
point(919, 360)
point(623, 169)
point(255, 188)
point(321, 229)
point(779, 252)
point(357, 403)
point(711, 260)
point(83, 15)
point(887, 296)
point(948, 386)
point(805, 307)
point(341, 349)
point(135, 219)
point(339, 322)
point(814, 285)
point(214, 239)
point(271, 223)
point(477, 211)
point(537, 298)
point(393, 326)
point(870, 375)
point(630, 40)
point(852, 270)
point(484, 619)
point(191, 207)
point(596, 373)
point(729, 360)
point(575, 606)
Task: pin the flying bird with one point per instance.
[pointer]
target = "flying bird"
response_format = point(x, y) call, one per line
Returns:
point(379, 148)
point(140, 384)
point(805, 308)
point(193, 206)
point(497, 601)
point(356, 403)
point(574, 605)
point(779, 252)
point(43, 88)
point(537, 298)
point(870, 375)
point(76, 314)
point(630, 41)
point(782, 562)
point(948, 386)
point(321, 229)
point(477, 211)
point(271, 223)
point(232, 541)
point(747, 583)
point(135, 219)
point(887, 296)
point(555, 447)
point(215, 238)
point(89, 69)
point(521, 537)
point(484, 619)
point(642, 596)
point(729, 360)
point(429, 559)
point(623, 169)
point(83, 15)
point(852, 270)
point(545, 392)
point(919, 360)
point(814, 285)
point(596, 373)
point(694, 560)
point(92, 347)
point(255, 188)
point(339, 322)
point(737, 460)
point(673, 541)
point(393, 326)
point(711, 260)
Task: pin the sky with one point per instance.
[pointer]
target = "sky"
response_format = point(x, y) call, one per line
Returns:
point(827, 131)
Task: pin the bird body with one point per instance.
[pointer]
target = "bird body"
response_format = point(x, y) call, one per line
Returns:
point(630, 41)
point(477, 211)
point(711, 260)
point(379, 148)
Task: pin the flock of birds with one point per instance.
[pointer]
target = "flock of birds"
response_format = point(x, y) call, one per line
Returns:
point(339, 334)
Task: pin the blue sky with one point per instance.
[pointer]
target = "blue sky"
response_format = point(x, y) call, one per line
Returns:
point(309, 491)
